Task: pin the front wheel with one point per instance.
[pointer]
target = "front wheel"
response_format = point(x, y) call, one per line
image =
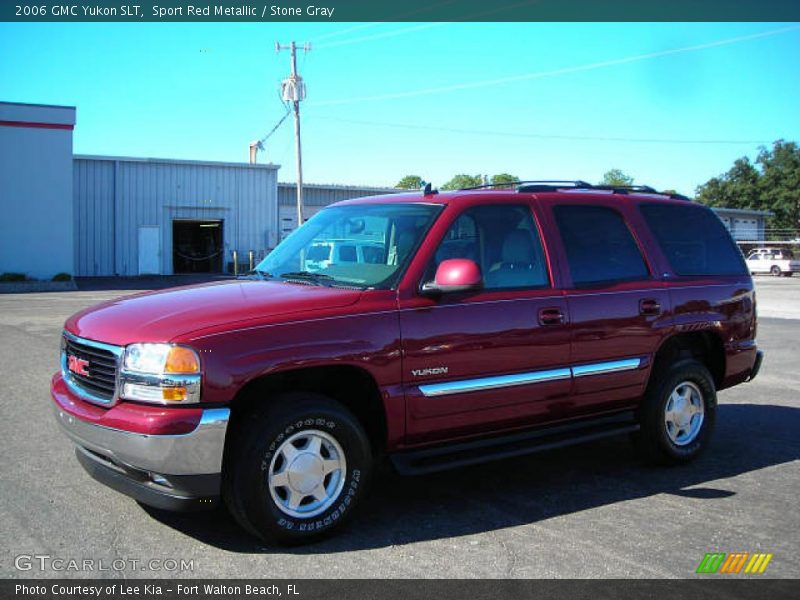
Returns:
point(298, 468)
point(775, 270)
point(677, 413)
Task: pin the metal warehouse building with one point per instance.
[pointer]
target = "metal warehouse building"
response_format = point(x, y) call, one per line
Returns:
point(136, 216)
point(152, 216)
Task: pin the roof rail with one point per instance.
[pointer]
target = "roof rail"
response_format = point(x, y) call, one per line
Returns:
point(545, 183)
point(553, 185)
point(626, 189)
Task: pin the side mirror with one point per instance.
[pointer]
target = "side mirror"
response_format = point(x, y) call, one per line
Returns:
point(455, 275)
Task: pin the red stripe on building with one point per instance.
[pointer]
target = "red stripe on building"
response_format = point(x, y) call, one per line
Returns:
point(33, 125)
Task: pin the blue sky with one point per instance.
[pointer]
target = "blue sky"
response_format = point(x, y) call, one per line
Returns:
point(204, 91)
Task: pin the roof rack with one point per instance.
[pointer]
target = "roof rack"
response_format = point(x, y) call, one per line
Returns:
point(553, 185)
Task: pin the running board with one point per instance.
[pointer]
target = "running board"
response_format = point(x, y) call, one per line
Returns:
point(440, 458)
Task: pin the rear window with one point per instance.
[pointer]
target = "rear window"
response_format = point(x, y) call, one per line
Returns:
point(600, 248)
point(694, 240)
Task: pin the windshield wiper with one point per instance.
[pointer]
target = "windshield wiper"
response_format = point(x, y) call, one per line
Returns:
point(256, 274)
point(306, 276)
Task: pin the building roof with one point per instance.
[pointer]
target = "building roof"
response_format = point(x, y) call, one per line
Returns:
point(173, 161)
point(34, 115)
point(743, 211)
point(341, 186)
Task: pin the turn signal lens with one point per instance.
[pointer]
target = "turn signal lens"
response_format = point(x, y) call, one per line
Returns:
point(181, 360)
point(176, 394)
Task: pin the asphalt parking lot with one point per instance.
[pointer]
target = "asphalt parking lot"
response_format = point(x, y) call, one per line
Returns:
point(584, 512)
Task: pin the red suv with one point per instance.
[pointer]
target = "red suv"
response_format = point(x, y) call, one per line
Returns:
point(482, 324)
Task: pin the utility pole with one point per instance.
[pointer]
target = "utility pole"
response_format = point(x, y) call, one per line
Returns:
point(293, 90)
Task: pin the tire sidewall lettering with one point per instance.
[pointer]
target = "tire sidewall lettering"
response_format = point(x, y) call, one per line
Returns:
point(347, 496)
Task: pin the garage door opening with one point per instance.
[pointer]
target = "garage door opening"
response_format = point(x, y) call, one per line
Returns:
point(196, 246)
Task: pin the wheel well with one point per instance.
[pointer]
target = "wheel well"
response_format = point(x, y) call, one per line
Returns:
point(351, 386)
point(704, 346)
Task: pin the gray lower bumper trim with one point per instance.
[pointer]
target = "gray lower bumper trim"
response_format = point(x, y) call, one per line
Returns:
point(194, 453)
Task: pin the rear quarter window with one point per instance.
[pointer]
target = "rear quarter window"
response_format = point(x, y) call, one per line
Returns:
point(600, 248)
point(694, 240)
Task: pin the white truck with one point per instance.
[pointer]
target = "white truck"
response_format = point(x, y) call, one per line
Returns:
point(773, 261)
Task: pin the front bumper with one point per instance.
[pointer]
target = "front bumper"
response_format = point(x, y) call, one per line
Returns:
point(170, 471)
point(198, 452)
point(757, 365)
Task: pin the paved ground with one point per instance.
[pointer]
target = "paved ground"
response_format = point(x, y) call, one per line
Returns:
point(590, 511)
point(778, 296)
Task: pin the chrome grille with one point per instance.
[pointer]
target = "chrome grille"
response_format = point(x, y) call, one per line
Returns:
point(100, 384)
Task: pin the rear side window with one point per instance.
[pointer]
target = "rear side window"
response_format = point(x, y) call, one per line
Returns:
point(694, 240)
point(600, 247)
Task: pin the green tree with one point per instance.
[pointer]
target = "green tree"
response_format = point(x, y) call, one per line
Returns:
point(461, 181)
point(772, 183)
point(738, 188)
point(780, 183)
point(504, 179)
point(616, 177)
point(410, 182)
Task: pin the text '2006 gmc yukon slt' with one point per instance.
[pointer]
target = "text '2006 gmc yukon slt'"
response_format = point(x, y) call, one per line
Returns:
point(482, 324)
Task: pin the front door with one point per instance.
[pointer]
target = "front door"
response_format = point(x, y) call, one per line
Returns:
point(495, 359)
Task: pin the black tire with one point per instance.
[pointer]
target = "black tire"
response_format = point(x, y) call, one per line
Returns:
point(261, 435)
point(775, 270)
point(653, 439)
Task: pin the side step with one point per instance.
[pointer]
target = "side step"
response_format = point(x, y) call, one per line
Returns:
point(440, 458)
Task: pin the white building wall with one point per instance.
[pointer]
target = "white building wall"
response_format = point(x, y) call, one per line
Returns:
point(36, 230)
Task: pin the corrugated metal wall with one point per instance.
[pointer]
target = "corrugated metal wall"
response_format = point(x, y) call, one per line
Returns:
point(114, 197)
point(316, 197)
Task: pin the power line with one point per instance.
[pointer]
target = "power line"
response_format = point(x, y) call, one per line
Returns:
point(274, 129)
point(519, 134)
point(557, 72)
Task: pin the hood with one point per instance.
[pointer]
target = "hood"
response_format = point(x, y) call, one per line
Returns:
point(161, 316)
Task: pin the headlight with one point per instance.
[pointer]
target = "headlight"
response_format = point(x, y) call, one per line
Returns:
point(157, 359)
point(160, 373)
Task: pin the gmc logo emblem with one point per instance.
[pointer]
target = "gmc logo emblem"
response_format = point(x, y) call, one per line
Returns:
point(78, 365)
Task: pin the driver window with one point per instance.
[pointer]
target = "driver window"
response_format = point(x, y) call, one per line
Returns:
point(503, 240)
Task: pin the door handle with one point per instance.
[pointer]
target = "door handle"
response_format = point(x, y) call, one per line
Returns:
point(551, 316)
point(649, 306)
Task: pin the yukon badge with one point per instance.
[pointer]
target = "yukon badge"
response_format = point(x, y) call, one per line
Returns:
point(429, 371)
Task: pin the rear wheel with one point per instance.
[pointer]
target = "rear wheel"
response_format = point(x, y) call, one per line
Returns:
point(677, 413)
point(775, 270)
point(298, 468)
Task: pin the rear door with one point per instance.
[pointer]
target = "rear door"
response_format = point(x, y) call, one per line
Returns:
point(489, 360)
point(618, 307)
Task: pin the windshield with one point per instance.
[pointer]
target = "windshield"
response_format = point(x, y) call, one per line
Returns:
point(363, 245)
